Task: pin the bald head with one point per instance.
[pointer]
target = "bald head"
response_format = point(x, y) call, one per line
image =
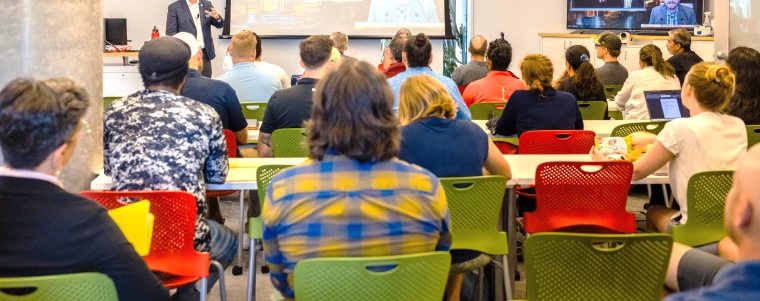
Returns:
point(743, 204)
point(478, 47)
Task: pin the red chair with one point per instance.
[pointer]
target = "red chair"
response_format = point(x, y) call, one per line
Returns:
point(171, 248)
point(556, 142)
point(231, 140)
point(582, 194)
point(461, 89)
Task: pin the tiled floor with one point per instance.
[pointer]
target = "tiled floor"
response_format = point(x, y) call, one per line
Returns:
point(236, 285)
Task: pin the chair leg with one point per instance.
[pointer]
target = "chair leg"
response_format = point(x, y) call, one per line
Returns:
point(479, 285)
point(668, 203)
point(251, 292)
point(204, 288)
point(222, 286)
point(507, 274)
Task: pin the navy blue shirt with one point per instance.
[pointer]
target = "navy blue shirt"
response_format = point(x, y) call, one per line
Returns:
point(219, 95)
point(529, 111)
point(740, 281)
point(448, 148)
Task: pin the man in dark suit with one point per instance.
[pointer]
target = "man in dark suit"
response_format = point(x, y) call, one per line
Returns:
point(195, 17)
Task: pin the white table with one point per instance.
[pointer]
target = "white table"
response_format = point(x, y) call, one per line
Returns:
point(602, 128)
point(253, 135)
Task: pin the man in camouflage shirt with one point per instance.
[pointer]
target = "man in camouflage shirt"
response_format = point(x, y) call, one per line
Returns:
point(156, 139)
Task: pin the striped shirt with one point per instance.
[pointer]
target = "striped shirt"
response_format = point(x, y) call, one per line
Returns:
point(339, 207)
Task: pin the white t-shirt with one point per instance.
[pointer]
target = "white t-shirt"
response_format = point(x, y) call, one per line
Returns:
point(706, 142)
point(631, 99)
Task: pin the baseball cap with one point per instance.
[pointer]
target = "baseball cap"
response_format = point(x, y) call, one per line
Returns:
point(190, 40)
point(163, 58)
point(608, 40)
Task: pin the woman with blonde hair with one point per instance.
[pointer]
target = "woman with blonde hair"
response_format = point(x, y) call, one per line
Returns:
point(430, 135)
point(655, 74)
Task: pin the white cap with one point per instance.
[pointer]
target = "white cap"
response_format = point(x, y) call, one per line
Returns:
point(190, 40)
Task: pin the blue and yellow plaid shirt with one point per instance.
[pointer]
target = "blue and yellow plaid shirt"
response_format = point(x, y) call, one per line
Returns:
point(339, 207)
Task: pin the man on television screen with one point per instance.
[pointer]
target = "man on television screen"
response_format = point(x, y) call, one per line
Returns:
point(402, 11)
point(672, 12)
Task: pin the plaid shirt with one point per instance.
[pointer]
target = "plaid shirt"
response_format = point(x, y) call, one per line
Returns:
point(673, 18)
point(339, 207)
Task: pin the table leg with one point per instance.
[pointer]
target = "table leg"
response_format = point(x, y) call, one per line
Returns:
point(511, 217)
point(238, 269)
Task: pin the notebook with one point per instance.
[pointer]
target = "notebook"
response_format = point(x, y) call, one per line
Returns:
point(136, 222)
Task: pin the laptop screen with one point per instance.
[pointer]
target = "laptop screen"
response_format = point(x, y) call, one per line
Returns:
point(665, 105)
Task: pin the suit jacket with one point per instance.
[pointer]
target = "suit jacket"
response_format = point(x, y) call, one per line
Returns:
point(420, 11)
point(180, 19)
point(686, 15)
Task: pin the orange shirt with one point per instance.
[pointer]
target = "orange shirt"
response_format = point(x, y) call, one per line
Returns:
point(498, 86)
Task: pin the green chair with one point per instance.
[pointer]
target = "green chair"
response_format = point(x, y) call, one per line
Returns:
point(567, 266)
point(405, 277)
point(706, 200)
point(107, 102)
point(475, 204)
point(753, 135)
point(254, 110)
point(481, 110)
point(264, 175)
point(611, 91)
point(592, 110)
point(654, 127)
point(616, 115)
point(80, 287)
point(289, 143)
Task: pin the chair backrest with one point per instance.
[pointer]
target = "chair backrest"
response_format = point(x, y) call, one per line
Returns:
point(556, 142)
point(601, 186)
point(289, 143)
point(706, 201)
point(654, 127)
point(264, 175)
point(592, 110)
point(480, 110)
point(254, 110)
point(507, 146)
point(403, 277)
point(231, 140)
point(564, 266)
point(107, 102)
point(753, 135)
point(611, 91)
point(80, 286)
point(475, 204)
point(173, 228)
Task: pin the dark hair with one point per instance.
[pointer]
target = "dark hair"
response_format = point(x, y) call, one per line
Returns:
point(713, 85)
point(418, 51)
point(37, 117)
point(745, 104)
point(500, 54)
point(352, 115)
point(651, 55)
point(682, 37)
point(258, 45)
point(585, 81)
point(478, 51)
point(174, 82)
point(316, 51)
point(397, 48)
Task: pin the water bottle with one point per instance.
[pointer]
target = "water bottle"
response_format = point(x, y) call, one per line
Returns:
point(154, 34)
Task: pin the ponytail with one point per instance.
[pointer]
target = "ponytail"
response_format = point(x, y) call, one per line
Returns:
point(585, 82)
point(651, 55)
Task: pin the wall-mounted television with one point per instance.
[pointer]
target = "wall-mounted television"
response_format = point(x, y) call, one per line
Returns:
point(634, 14)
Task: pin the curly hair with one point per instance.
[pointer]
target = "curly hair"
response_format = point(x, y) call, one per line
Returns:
point(745, 104)
point(500, 54)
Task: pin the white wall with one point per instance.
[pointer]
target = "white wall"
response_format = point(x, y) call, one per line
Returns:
point(142, 15)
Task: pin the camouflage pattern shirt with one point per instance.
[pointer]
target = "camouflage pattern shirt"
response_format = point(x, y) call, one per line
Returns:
point(156, 140)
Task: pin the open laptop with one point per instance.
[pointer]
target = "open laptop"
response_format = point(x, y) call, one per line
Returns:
point(665, 105)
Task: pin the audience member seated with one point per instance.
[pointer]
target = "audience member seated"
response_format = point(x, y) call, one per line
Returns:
point(717, 278)
point(44, 230)
point(709, 140)
point(252, 83)
point(365, 201)
point(745, 104)
point(679, 45)
point(426, 112)
point(157, 140)
point(541, 107)
point(289, 108)
point(580, 77)
point(340, 41)
point(397, 50)
point(608, 46)
point(500, 83)
point(387, 56)
point(277, 71)
point(476, 68)
point(418, 54)
point(655, 74)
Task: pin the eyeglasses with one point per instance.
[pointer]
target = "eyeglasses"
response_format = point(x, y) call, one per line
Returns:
point(597, 45)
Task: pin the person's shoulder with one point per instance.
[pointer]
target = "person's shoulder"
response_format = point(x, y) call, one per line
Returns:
point(175, 4)
point(686, 8)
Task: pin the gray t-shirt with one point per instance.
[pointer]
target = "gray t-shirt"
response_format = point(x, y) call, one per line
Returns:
point(472, 71)
point(612, 73)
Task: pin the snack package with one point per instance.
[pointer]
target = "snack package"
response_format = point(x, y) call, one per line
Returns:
point(629, 148)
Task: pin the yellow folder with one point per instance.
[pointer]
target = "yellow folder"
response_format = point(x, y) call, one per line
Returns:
point(136, 222)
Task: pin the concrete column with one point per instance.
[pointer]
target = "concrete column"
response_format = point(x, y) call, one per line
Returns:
point(60, 38)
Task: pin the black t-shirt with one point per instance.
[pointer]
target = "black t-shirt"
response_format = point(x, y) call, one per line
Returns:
point(289, 108)
point(45, 230)
point(219, 95)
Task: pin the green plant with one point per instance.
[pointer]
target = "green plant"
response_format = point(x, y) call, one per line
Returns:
point(452, 46)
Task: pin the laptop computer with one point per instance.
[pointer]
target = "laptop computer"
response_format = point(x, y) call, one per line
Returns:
point(665, 105)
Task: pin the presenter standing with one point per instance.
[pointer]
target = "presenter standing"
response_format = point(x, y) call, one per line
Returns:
point(196, 18)
point(402, 11)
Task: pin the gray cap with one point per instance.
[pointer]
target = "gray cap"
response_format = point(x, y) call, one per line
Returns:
point(163, 58)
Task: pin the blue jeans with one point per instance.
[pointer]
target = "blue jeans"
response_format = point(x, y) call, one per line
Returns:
point(224, 245)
